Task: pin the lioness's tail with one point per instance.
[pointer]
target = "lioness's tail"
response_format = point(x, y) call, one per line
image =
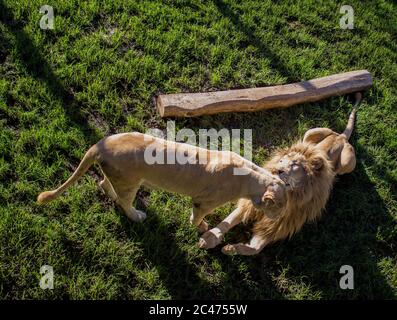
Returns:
point(84, 165)
point(350, 123)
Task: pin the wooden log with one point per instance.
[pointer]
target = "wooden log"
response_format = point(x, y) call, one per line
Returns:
point(255, 99)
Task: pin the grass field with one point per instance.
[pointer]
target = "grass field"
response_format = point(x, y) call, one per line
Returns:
point(96, 73)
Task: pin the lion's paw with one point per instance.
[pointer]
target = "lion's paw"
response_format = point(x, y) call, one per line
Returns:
point(203, 227)
point(229, 249)
point(210, 239)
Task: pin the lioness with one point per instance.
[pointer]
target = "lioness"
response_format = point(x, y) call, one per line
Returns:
point(308, 169)
point(211, 178)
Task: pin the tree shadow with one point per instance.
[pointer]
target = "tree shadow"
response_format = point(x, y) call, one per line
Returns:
point(180, 274)
point(315, 254)
point(37, 67)
point(172, 263)
point(249, 32)
point(160, 246)
point(272, 125)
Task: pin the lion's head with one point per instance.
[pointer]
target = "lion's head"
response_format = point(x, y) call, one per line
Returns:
point(308, 176)
point(299, 165)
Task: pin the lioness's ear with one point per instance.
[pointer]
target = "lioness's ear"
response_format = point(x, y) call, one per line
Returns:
point(317, 163)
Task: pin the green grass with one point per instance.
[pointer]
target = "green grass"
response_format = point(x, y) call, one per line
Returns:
point(96, 73)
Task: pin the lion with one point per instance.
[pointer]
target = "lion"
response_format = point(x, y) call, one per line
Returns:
point(308, 169)
point(210, 177)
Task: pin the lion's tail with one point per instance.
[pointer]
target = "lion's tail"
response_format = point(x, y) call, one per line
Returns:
point(85, 164)
point(350, 124)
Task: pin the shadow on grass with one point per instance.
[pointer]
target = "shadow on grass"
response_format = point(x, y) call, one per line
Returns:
point(272, 125)
point(346, 235)
point(249, 32)
point(36, 66)
point(179, 276)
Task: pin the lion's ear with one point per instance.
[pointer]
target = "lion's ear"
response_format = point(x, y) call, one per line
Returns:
point(317, 163)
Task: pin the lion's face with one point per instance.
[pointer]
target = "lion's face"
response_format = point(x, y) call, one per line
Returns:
point(294, 169)
point(308, 173)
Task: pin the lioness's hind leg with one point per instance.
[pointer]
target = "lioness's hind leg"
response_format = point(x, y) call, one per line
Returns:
point(107, 188)
point(125, 197)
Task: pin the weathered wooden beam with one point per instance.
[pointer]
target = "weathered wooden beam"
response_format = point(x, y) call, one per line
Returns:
point(255, 99)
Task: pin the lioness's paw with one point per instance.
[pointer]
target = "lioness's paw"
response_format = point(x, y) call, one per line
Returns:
point(203, 227)
point(229, 249)
point(136, 215)
point(141, 215)
point(210, 239)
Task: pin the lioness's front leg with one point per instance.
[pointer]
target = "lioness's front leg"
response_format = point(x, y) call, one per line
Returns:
point(213, 237)
point(255, 246)
point(199, 211)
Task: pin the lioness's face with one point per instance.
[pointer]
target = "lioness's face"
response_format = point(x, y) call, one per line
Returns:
point(292, 169)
